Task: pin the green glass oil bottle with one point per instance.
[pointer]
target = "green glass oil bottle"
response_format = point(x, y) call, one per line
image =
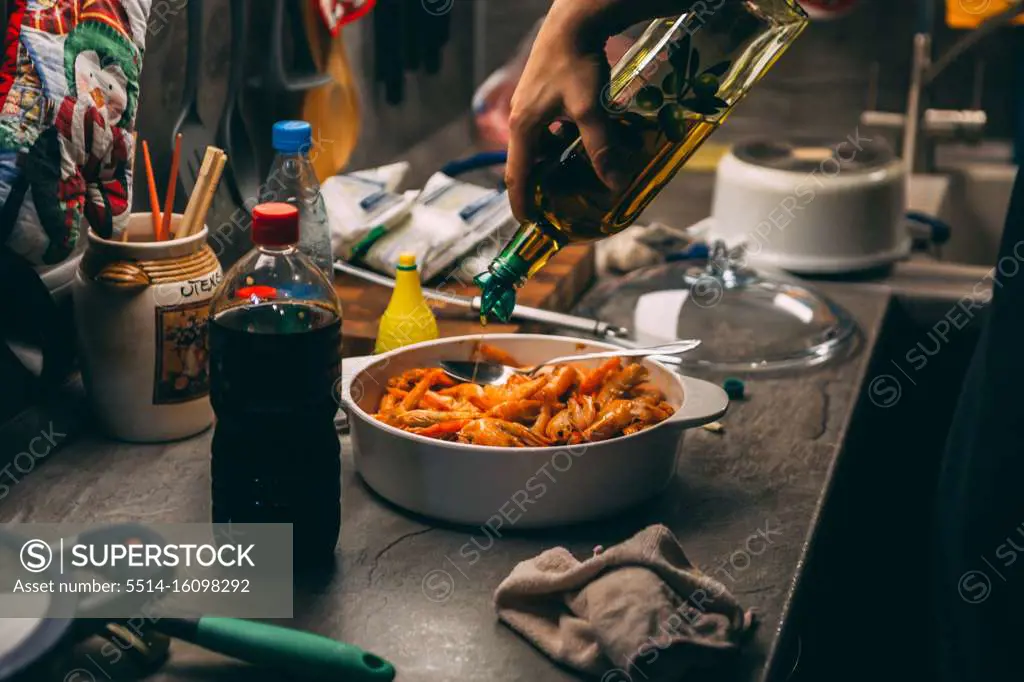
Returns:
point(668, 94)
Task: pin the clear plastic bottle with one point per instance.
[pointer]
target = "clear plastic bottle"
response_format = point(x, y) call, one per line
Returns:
point(275, 355)
point(292, 180)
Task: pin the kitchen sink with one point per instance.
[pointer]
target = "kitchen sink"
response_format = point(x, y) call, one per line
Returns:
point(973, 198)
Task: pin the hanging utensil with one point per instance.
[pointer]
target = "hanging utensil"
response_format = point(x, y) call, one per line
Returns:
point(336, 13)
point(277, 76)
point(388, 50)
point(243, 173)
point(437, 32)
point(333, 111)
point(195, 135)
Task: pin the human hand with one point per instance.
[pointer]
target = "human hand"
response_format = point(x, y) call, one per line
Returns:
point(566, 74)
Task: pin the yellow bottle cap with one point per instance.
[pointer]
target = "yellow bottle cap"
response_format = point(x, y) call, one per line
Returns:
point(407, 261)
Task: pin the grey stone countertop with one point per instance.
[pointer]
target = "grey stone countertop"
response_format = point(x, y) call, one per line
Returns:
point(743, 504)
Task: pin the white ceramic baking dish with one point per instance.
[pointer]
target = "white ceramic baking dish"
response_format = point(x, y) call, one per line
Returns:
point(524, 487)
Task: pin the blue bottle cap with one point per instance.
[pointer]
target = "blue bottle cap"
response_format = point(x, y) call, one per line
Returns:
point(291, 136)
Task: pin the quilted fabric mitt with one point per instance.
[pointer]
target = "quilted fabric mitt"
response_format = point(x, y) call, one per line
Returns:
point(70, 89)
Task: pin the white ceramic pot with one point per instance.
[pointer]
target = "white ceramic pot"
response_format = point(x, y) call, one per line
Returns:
point(140, 313)
point(524, 487)
point(812, 208)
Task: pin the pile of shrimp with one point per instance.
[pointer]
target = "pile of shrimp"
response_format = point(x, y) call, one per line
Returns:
point(564, 406)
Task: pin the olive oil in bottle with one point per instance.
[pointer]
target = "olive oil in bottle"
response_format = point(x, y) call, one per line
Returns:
point(668, 93)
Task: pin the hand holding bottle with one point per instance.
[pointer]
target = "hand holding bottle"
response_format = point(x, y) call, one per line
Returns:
point(633, 125)
point(567, 73)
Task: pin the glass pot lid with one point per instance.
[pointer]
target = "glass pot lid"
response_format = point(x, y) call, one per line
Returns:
point(748, 321)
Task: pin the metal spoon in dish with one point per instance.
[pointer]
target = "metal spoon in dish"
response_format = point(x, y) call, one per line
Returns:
point(495, 374)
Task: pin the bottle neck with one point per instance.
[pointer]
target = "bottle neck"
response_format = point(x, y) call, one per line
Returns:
point(407, 287)
point(290, 154)
point(278, 250)
point(528, 251)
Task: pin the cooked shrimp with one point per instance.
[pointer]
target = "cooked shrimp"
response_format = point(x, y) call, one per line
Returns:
point(525, 435)
point(620, 415)
point(525, 390)
point(618, 384)
point(560, 382)
point(593, 381)
point(424, 418)
point(613, 418)
point(407, 379)
point(647, 391)
point(567, 405)
point(582, 412)
point(485, 351)
point(525, 411)
point(436, 401)
point(388, 403)
point(649, 414)
point(463, 391)
point(560, 427)
point(486, 432)
point(469, 394)
point(412, 399)
point(540, 426)
point(441, 429)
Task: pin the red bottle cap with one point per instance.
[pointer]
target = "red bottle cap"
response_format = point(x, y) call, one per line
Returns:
point(275, 224)
point(264, 292)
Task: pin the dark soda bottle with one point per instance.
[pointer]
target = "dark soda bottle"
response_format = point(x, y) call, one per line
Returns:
point(275, 355)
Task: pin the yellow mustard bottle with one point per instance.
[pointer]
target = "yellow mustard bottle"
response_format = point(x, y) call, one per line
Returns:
point(408, 319)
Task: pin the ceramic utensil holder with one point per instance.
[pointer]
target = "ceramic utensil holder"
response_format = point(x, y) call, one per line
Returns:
point(141, 309)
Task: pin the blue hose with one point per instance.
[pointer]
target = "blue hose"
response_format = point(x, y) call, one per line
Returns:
point(940, 229)
point(477, 161)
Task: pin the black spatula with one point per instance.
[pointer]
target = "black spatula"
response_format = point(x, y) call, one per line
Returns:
point(243, 172)
point(195, 135)
point(277, 76)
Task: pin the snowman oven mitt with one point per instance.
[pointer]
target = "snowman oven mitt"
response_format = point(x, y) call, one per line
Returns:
point(69, 87)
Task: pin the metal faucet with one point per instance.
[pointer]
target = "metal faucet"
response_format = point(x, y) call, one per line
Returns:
point(922, 127)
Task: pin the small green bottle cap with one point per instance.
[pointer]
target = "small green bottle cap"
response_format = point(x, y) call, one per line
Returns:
point(734, 388)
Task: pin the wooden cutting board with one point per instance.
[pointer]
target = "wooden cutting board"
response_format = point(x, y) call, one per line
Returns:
point(557, 287)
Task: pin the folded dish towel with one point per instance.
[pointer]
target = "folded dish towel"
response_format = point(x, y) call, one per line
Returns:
point(636, 611)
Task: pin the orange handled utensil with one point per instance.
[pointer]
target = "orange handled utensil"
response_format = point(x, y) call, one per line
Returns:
point(172, 184)
point(154, 200)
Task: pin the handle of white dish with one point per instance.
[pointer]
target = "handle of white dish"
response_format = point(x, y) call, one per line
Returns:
point(350, 367)
point(703, 403)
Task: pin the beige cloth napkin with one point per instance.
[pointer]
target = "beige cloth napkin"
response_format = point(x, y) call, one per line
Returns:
point(639, 610)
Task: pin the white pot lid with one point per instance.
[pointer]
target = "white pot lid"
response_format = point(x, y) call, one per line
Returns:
point(749, 322)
